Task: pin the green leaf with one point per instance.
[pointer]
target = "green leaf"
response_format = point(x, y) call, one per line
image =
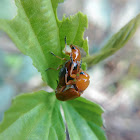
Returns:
point(83, 119)
point(37, 116)
point(116, 42)
point(36, 31)
point(73, 28)
point(33, 116)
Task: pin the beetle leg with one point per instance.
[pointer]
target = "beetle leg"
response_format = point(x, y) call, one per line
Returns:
point(58, 56)
point(70, 82)
point(71, 70)
point(78, 66)
point(66, 76)
point(69, 94)
point(62, 89)
point(72, 67)
point(54, 68)
point(59, 66)
point(66, 79)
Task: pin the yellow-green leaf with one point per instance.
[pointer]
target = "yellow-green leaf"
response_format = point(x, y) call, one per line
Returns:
point(33, 116)
point(116, 42)
point(36, 31)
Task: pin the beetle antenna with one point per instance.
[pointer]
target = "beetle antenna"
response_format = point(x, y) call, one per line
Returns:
point(51, 69)
point(52, 53)
point(47, 69)
point(65, 40)
point(57, 56)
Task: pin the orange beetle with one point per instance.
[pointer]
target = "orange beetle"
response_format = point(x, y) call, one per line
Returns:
point(75, 52)
point(75, 59)
point(72, 79)
point(69, 88)
point(74, 63)
point(68, 94)
point(82, 81)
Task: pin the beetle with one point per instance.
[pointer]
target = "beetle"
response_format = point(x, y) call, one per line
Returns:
point(72, 79)
point(69, 88)
point(68, 94)
point(75, 60)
